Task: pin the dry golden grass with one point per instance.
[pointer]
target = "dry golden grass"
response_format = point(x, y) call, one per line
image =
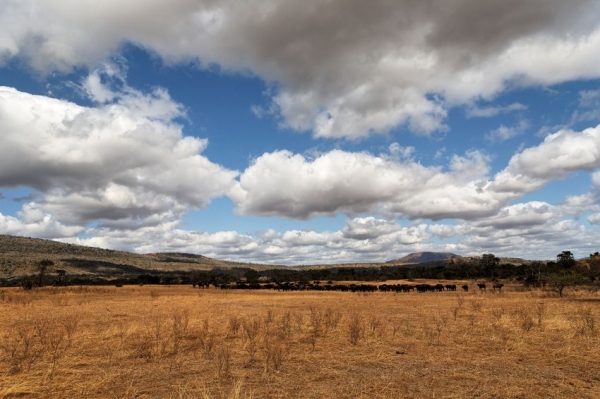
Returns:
point(179, 342)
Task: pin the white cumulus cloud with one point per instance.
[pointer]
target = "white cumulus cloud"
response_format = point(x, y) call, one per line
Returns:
point(290, 185)
point(557, 156)
point(124, 162)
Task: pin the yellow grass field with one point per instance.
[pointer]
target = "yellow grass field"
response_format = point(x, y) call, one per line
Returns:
point(180, 342)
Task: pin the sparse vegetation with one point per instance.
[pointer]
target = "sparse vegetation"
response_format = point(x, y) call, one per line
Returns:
point(127, 343)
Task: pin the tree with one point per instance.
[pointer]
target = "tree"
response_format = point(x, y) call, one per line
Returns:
point(591, 266)
point(60, 276)
point(565, 260)
point(488, 263)
point(566, 278)
point(251, 276)
point(535, 274)
point(42, 267)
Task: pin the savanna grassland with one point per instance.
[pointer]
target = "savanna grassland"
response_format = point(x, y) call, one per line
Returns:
point(180, 342)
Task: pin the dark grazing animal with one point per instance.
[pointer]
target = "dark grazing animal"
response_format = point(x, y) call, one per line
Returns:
point(481, 286)
point(465, 288)
point(498, 286)
point(424, 287)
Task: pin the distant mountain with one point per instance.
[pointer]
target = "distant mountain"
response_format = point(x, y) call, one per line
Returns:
point(423, 257)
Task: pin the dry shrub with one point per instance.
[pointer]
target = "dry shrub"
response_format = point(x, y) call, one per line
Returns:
point(285, 325)
point(158, 332)
point(275, 354)
point(332, 318)
point(223, 361)
point(269, 317)
point(21, 347)
point(251, 332)
point(583, 322)
point(234, 325)
point(440, 324)
point(355, 328)
point(395, 328)
point(54, 339)
point(299, 320)
point(524, 320)
point(375, 325)
point(471, 319)
point(179, 328)
point(540, 313)
point(498, 312)
point(141, 346)
point(455, 311)
point(205, 338)
point(316, 321)
point(70, 326)
point(476, 304)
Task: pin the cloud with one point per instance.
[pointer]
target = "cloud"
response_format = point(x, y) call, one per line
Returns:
point(486, 112)
point(369, 228)
point(534, 230)
point(594, 219)
point(289, 185)
point(589, 98)
point(521, 215)
point(577, 205)
point(541, 234)
point(504, 133)
point(34, 223)
point(557, 156)
point(589, 107)
point(538, 242)
point(125, 162)
point(444, 230)
point(341, 69)
point(596, 182)
point(400, 151)
point(288, 247)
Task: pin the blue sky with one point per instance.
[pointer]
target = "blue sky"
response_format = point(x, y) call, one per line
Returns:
point(297, 133)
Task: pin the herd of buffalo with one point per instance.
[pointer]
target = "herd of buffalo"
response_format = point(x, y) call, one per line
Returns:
point(329, 286)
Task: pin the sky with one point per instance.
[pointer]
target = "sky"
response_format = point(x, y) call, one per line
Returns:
point(289, 132)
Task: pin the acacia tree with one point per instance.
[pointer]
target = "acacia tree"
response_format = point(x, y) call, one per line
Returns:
point(561, 280)
point(565, 274)
point(488, 263)
point(566, 259)
point(42, 267)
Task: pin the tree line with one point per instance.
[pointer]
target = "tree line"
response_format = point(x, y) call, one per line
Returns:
point(563, 272)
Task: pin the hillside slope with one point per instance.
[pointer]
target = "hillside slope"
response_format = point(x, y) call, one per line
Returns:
point(19, 256)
